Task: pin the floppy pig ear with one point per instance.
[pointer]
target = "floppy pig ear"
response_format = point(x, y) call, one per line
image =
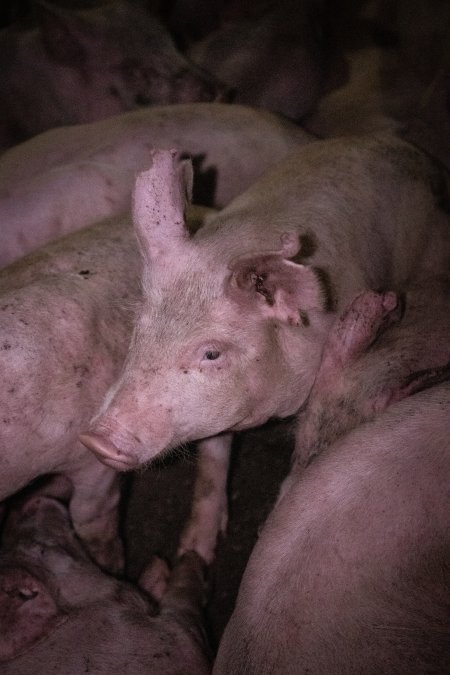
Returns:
point(27, 612)
point(283, 289)
point(160, 198)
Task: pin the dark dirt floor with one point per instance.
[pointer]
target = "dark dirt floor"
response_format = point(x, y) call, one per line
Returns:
point(158, 502)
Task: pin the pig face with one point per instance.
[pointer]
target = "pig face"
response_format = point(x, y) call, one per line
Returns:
point(60, 613)
point(216, 344)
point(215, 362)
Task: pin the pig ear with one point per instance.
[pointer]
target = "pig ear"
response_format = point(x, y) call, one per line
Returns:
point(63, 34)
point(160, 198)
point(282, 289)
point(27, 612)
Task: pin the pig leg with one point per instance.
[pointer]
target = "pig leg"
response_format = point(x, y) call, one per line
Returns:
point(94, 510)
point(186, 588)
point(209, 513)
point(155, 578)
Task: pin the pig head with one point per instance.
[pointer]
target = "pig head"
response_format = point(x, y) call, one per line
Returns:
point(215, 347)
point(60, 613)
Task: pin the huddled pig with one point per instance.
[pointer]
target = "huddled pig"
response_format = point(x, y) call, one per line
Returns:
point(67, 178)
point(65, 325)
point(402, 86)
point(234, 318)
point(81, 66)
point(59, 613)
point(278, 59)
point(65, 321)
point(350, 572)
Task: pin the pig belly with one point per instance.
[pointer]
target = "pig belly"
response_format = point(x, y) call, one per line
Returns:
point(351, 571)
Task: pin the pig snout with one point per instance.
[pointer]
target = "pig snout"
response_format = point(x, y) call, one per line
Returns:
point(98, 442)
point(125, 444)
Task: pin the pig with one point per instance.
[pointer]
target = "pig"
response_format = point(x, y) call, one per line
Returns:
point(67, 178)
point(59, 613)
point(379, 351)
point(91, 64)
point(233, 319)
point(402, 88)
point(278, 60)
point(66, 316)
point(350, 572)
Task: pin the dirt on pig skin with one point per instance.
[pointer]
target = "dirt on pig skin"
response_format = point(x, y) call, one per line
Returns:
point(157, 503)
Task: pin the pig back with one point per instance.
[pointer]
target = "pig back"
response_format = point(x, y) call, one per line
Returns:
point(350, 572)
point(66, 314)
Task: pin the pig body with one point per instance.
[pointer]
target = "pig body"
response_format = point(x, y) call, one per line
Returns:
point(60, 614)
point(91, 64)
point(401, 88)
point(64, 330)
point(278, 60)
point(231, 328)
point(66, 321)
point(67, 178)
point(358, 374)
point(350, 572)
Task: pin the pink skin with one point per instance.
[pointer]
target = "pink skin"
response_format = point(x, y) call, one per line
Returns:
point(360, 377)
point(53, 597)
point(218, 322)
point(67, 178)
point(230, 331)
point(92, 65)
point(350, 571)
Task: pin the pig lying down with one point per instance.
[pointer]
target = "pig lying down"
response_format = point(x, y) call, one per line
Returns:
point(85, 66)
point(233, 320)
point(350, 573)
point(60, 614)
point(68, 178)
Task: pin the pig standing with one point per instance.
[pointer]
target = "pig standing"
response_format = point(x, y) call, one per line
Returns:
point(67, 178)
point(60, 614)
point(87, 65)
point(231, 329)
point(350, 573)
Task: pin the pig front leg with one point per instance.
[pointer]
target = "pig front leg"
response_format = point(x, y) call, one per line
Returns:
point(94, 510)
point(209, 513)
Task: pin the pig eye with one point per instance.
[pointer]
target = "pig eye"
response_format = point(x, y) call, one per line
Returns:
point(211, 355)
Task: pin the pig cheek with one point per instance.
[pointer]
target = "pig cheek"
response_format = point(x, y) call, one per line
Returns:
point(215, 399)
